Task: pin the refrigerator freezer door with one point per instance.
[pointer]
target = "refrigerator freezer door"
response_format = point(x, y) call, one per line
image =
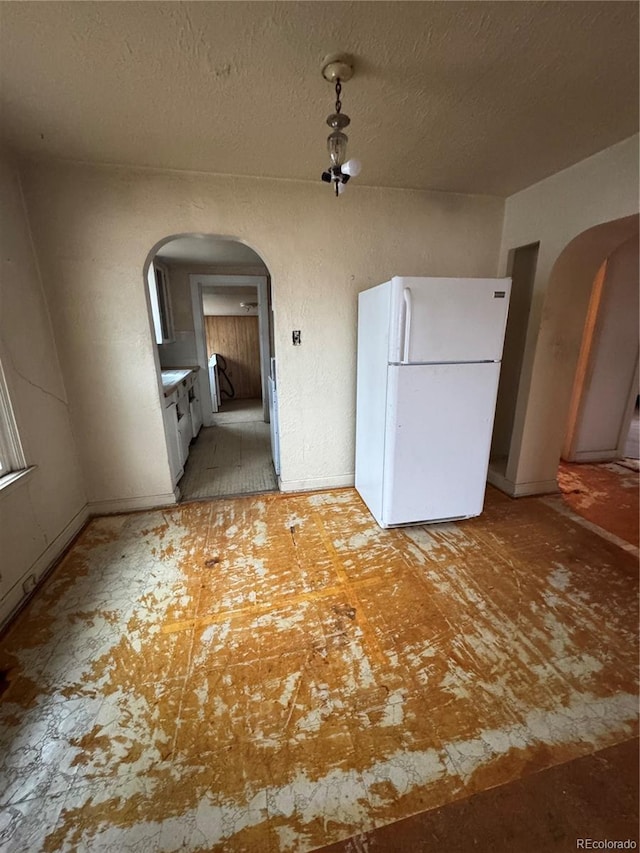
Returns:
point(438, 436)
point(438, 320)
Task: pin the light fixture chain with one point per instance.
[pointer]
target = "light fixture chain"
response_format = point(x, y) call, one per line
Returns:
point(340, 169)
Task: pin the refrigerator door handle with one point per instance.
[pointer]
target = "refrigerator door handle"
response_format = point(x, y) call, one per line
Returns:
point(406, 295)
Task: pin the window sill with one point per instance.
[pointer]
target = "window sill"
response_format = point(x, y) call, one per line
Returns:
point(15, 478)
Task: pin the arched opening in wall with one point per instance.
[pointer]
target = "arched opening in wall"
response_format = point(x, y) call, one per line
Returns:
point(548, 398)
point(212, 321)
point(598, 470)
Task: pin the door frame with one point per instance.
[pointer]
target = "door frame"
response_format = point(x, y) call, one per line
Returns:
point(197, 282)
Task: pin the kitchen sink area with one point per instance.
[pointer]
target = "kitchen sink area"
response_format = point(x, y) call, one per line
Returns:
point(173, 377)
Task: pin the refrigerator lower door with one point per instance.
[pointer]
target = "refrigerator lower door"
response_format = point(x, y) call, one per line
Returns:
point(437, 441)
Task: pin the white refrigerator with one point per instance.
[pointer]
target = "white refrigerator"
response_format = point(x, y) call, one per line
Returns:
point(429, 353)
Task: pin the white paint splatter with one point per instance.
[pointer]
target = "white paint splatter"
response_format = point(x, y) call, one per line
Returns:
point(560, 577)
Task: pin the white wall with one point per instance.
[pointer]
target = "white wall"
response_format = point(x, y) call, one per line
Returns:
point(612, 361)
point(94, 228)
point(554, 212)
point(43, 511)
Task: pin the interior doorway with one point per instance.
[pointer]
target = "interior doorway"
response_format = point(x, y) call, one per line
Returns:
point(605, 387)
point(212, 298)
point(551, 351)
point(521, 266)
point(597, 473)
point(234, 340)
point(232, 335)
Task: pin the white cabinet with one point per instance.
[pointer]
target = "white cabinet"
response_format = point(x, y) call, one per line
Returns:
point(182, 416)
point(195, 408)
point(184, 434)
point(173, 441)
point(184, 420)
point(274, 428)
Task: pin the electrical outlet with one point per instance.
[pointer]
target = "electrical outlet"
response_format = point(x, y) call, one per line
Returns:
point(296, 337)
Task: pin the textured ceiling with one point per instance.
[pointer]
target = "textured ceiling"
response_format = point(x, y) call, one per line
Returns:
point(460, 96)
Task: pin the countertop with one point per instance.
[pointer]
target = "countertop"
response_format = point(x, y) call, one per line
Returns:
point(173, 376)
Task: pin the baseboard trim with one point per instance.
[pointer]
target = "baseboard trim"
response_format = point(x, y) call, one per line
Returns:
point(313, 484)
point(595, 456)
point(134, 504)
point(16, 598)
point(521, 490)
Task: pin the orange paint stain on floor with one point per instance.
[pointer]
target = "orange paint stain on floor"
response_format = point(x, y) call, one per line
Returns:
point(606, 494)
point(277, 673)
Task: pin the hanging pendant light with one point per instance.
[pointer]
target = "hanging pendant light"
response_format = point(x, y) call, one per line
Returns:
point(337, 70)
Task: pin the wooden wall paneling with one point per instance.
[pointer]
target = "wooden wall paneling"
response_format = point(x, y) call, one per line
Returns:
point(237, 340)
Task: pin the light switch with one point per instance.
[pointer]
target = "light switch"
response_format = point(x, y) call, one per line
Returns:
point(296, 338)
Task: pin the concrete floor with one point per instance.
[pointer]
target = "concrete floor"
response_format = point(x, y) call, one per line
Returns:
point(277, 673)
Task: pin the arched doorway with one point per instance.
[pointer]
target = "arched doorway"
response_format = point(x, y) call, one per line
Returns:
point(211, 315)
point(598, 470)
point(544, 393)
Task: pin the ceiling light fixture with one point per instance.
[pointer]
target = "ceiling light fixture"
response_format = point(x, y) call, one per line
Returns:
point(248, 305)
point(338, 70)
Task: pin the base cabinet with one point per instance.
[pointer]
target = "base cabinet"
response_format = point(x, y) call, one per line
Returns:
point(182, 417)
point(176, 463)
point(185, 436)
point(195, 410)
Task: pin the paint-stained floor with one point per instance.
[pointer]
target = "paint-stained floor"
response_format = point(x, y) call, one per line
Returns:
point(276, 673)
point(605, 494)
point(594, 796)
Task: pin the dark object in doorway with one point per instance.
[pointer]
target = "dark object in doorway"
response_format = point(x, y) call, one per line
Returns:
point(4, 680)
point(222, 372)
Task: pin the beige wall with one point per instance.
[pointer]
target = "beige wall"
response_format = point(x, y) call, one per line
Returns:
point(180, 287)
point(225, 304)
point(94, 228)
point(182, 351)
point(40, 513)
point(554, 212)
